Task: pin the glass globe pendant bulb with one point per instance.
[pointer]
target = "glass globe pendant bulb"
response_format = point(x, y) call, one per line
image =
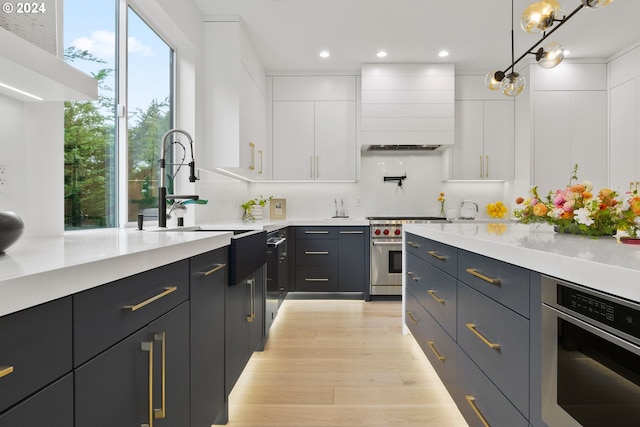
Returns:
point(513, 84)
point(594, 4)
point(550, 55)
point(491, 81)
point(539, 16)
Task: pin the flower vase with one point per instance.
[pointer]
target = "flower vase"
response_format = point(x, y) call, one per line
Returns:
point(257, 212)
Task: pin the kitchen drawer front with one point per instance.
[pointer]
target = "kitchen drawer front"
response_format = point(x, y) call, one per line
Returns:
point(414, 315)
point(511, 283)
point(35, 349)
point(438, 254)
point(316, 233)
point(50, 407)
point(441, 350)
point(474, 388)
point(507, 365)
point(311, 278)
point(104, 315)
point(317, 252)
point(436, 291)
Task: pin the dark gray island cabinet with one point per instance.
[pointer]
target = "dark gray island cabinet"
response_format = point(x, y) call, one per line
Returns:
point(477, 320)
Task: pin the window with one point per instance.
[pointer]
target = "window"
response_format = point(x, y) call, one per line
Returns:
point(95, 147)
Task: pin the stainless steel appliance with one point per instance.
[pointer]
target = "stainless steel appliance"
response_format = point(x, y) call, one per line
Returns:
point(386, 252)
point(590, 357)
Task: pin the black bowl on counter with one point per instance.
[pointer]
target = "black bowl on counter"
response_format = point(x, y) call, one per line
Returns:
point(11, 228)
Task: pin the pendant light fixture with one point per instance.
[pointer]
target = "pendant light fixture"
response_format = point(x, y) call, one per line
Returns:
point(537, 18)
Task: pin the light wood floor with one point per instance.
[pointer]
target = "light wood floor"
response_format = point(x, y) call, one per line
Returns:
point(331, 363)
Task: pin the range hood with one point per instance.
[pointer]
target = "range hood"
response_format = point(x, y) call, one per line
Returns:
point(401, 147)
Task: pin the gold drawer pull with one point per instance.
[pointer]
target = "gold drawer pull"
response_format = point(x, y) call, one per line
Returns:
point(435, 296)
point(5, 370)
point(316, 232)
point(413, 245)
point(435, 351)
point(148, 347)
point(413, 319)
point(413, 276)
point(316, 253)
point(473, 272)
point(138, 306)
point(472, 403)
point(490, 344)
point(162, 412)
point(316, 280)
point(205, 273)
point(437, 255)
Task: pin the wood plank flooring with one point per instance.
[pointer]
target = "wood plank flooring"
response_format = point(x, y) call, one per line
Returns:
point(340, 363)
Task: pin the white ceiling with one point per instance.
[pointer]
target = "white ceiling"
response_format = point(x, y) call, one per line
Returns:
point(289, 34)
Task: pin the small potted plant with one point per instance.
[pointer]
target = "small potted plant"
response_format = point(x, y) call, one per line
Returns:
point(252, 209)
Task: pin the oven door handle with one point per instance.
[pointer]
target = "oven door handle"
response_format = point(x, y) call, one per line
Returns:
point(605, 335)
point(386, 243)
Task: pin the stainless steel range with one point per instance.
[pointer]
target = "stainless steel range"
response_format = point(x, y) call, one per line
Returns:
point(386, 252)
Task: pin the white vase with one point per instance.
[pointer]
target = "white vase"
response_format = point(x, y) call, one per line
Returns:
point(257, 212)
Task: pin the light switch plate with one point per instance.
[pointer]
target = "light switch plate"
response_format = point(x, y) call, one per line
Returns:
point(4, 179)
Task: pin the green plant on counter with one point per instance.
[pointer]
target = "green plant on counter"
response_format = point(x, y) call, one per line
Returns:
point(248, 206)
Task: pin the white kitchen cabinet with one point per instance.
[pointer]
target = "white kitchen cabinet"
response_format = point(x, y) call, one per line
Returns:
point(314, 134)
point(570, 128)
point(484, 147)
point(625, 150)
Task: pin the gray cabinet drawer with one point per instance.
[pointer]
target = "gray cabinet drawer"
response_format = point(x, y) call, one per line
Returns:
point(414, 317)
point(503, 282)
point(316, 232)
point(435, 289)
point(441, 350)
point(317, 252)
point(438, 254)
point(104, 315)
point(311, 278)
point(507, 363)
point(478, 398)
point(35, 349)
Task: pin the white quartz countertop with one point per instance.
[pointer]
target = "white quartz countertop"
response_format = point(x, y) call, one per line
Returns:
point(269, 225)
point(34, 271)
point(601, 263)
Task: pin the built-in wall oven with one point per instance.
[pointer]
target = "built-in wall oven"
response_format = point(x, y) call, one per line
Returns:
point(590, 357)
point(386, 253)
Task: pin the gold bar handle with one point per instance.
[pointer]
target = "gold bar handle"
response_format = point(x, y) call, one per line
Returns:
point(474, 272)
point(252, 307)
point(317, 166)
point(472, 402)
point(310, 166)
point(436, 255)
point(413, 245)
point(413, 319)
point(162, 337)
point(486, 170)
point(637, 184)
point(440, 357)
point(489, 344)
point(260, 153)
point(317, 232)
point(631, 186)
point(316, 280)
point(316, 252)
point(252, 154)
point(148, 347)
point(435, 296)
point(481, 167)
point(217, 267)
point(5, 370)
point(412, 275)
point(138, 306)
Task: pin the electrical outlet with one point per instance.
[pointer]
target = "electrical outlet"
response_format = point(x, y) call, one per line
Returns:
point(4, 179)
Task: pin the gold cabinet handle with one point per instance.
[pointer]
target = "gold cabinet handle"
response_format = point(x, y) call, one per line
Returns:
point(138, 306)
point(472, 402)
point(162, 412)
point(310, 166)
point(435, 296)
point(317, 232)
point(481, 167)
point(432, 345)
point(413, 319)
point(486, 169)
point(316, 280)
point(317, 166)
point(489, 344)
point(148, 347)
point(316, 252)
point(436, 255)
point(260, 153)
point(5, 370)
point(252, 154)
point(252, 304)
point(413, 276)
point(413, 245)
point(217, 267)
point(474, 272)
point(637, 184)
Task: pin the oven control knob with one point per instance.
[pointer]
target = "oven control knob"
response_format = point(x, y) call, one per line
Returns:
point(398, 231)
point(377, 232)
point(386, 232)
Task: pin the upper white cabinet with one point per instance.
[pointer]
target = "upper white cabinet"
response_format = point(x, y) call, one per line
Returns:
point(314, 122)
point(235, 102)
point(35, 74)
point(407, 104)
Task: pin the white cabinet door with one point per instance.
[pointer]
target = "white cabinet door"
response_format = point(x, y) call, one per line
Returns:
point(589, 136)
point(293, 140)
point(335, 140)
point(467, 151)
point(498, 140)
point(252, 130)
point(624, 135)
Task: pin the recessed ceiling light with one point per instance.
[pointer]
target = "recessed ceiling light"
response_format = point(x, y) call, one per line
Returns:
point(325, 54)
point(443, 53)
point(381, 54)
